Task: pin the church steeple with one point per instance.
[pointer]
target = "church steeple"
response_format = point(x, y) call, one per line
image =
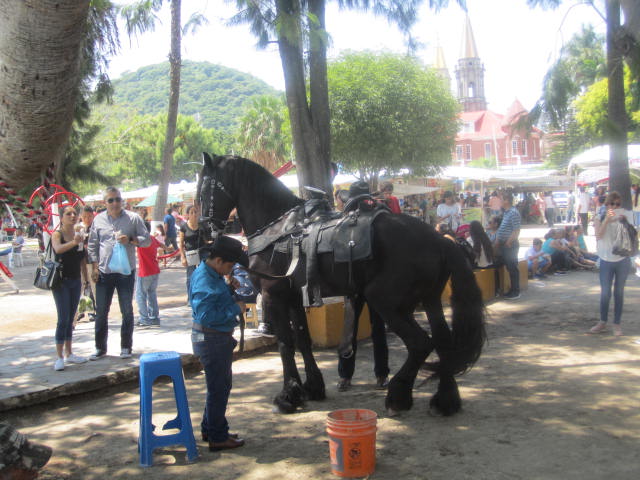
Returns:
point(470, 73)
point(440, 65)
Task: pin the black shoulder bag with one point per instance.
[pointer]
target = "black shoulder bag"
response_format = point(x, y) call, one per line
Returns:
point(49, 273)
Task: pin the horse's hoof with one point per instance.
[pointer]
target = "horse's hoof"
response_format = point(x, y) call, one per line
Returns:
point(446, 408)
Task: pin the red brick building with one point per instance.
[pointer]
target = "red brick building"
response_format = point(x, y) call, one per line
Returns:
point(485, 134)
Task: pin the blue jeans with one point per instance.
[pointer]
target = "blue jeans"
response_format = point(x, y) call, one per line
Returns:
point(190, 270)
point(123, 284)
point(608, 272)
point(67, 297)
point(215, 351)
point(509, 258)
point(147, 298)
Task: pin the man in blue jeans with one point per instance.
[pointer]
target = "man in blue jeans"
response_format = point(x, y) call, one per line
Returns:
point(215, 316)
point(114, 225)
point(507, 244)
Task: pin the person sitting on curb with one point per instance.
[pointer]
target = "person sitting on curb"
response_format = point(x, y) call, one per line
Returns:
point(538, 261)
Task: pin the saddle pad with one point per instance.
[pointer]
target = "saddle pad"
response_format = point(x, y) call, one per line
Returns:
point(353, 237)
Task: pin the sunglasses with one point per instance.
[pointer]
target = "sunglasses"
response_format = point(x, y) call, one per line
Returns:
point(114, 199)
point(616, 204)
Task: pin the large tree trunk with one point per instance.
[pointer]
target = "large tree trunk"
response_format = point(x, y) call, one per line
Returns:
point(618, 161)
point(312, 163)
point(40, 47)
point(319, 94)
point(172, 119)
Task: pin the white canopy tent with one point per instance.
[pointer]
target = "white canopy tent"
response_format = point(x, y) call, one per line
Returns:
point(181, 189)
point(547, 179)
point(598, 157)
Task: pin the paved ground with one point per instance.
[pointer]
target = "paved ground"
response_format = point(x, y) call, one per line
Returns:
point(28, 321)
point(27, 327)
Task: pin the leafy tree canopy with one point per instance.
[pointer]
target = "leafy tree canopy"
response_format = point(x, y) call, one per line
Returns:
point(389, 112)
point(133, 152)
point(592, 113)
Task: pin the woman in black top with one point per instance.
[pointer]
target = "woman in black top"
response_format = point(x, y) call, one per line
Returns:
point(68, 246)
point(190, 241)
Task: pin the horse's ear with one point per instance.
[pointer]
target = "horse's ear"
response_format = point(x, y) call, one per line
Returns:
point(209, 162)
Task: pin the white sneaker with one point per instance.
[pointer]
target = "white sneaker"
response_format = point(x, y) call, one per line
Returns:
point(125, 353)
point(59, 365)
point(73, 358)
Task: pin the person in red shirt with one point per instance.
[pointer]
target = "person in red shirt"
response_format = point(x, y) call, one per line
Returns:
point(391, 201)
point(147, 284)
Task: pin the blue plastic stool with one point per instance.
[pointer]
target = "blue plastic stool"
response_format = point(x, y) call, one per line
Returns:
point(152, 366)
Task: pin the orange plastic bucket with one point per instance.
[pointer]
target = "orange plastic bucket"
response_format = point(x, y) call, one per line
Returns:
point(352, 442)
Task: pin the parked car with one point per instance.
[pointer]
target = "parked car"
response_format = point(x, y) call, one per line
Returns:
point(561, 199)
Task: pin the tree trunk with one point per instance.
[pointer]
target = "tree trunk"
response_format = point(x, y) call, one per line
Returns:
point(40, 49)
point(319, 93)
point(312, 163)
point(618, 161)
point(172, 118)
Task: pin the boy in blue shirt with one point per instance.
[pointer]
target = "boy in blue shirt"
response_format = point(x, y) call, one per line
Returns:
point(215, 316)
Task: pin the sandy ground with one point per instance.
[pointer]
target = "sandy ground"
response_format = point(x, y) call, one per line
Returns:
point(545, 401)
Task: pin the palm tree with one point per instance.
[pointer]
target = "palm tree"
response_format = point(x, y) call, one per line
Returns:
point(39, 84)
point(262, 135)
point(623, 41)
point(141, 17)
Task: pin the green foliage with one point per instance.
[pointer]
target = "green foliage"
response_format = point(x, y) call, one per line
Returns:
point(592, 113)
point(215, 95)
point(133, 151)
point(389, 112)
point(264, 134)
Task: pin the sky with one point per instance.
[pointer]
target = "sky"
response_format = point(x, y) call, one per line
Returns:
point(517, 44)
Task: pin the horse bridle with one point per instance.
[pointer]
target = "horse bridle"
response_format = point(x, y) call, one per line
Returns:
point(217, 225)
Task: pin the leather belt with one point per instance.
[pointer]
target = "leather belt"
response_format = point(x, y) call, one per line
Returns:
point(199, 328)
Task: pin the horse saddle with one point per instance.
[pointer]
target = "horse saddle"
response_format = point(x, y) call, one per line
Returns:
point(348, 236)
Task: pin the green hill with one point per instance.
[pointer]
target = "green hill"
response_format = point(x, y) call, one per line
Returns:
point(215, 95)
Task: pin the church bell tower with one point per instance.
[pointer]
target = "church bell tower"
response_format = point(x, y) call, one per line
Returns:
point(470, 74)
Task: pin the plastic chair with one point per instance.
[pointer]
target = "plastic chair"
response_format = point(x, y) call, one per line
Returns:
point(152, 366)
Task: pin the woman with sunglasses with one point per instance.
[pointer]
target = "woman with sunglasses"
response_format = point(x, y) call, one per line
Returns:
point(614, 269)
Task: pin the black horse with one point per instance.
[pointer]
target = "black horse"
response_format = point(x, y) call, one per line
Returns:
point(410, 265)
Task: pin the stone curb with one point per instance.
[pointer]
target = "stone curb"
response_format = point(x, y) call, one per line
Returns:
point(253, 346)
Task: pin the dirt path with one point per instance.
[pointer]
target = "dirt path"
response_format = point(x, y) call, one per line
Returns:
point(545, 401)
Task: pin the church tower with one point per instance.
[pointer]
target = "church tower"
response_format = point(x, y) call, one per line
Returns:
point(470, 74)
point(440, 66)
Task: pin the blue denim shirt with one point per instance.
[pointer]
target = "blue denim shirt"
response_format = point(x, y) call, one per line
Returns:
point(211, 300)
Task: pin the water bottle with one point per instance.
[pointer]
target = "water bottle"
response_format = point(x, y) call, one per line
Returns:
point(80, 231)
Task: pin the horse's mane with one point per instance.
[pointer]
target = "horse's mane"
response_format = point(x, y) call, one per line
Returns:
point(250, 178)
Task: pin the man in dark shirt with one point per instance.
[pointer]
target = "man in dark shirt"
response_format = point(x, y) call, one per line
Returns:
point(171, 234)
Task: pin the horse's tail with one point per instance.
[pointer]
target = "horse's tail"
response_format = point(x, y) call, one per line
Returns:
point(468, 333)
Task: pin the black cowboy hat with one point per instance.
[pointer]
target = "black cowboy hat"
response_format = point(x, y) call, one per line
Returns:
point(359, 188)
point(229, 249)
